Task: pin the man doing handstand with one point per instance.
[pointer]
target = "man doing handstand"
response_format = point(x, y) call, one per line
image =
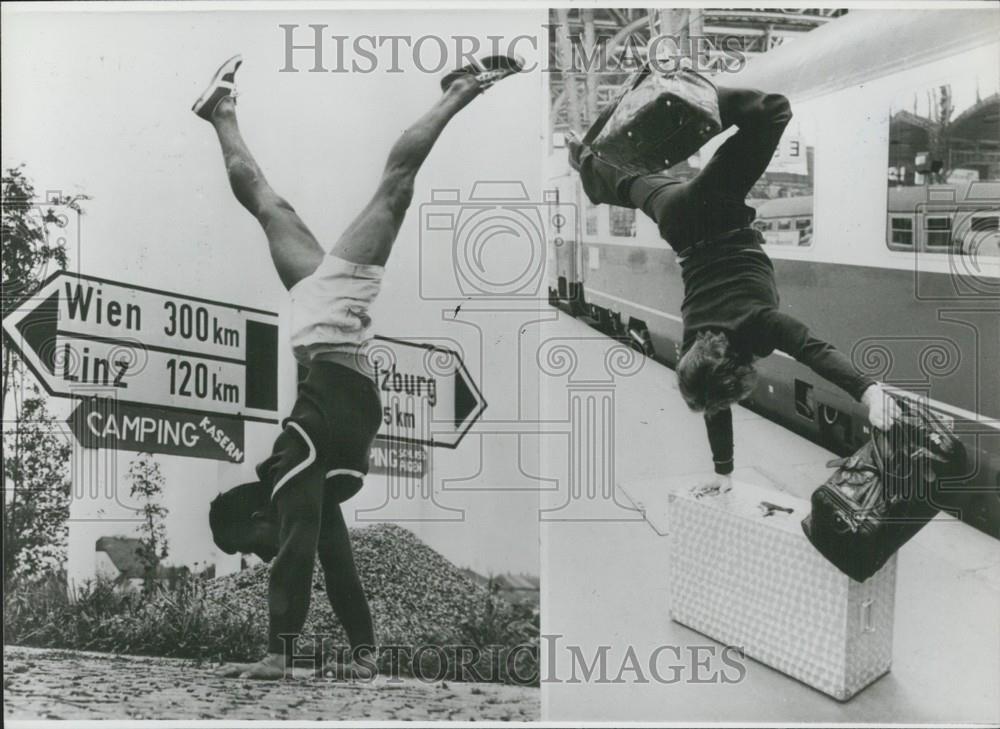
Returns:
point(321, 455)
point(730, 307)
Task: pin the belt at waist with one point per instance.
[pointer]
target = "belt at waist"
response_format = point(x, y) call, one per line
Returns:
point(355, 359)
point(736, 236)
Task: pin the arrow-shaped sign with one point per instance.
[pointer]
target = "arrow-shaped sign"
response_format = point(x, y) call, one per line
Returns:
point(148, 347)
point(105, 423)
point(428, 397)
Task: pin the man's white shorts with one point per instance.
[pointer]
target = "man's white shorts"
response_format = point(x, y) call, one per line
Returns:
point(330, 307)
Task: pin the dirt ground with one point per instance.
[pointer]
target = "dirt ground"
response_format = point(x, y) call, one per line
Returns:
point(59, 684)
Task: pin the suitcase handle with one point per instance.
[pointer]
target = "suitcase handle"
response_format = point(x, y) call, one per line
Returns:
point(867, 626)
point(768, 509)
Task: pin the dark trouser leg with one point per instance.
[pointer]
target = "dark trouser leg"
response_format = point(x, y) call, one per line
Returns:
point(369, 238)
point(740, 161)
point(299, 504)
point(294, 250)
point(604, 184)
point(713, 201)
point(670, 205)
point(659, 196)
point(343, 585)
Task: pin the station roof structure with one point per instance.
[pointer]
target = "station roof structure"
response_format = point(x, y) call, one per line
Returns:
point(592, 51)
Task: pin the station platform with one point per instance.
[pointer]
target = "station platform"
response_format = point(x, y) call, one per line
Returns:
point(606, 584)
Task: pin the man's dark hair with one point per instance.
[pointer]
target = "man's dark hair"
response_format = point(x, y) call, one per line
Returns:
point(230, 512)
point(711, 376)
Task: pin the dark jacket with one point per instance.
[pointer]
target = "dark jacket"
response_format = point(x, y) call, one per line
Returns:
point(769, 330)
point(728, 279)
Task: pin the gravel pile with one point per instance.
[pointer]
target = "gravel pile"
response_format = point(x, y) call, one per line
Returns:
point(414, 592)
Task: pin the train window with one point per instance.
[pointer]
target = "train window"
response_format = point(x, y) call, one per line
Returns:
point(985, 223)
point(937, 231)
point(944, 165)
point(784, 225)
point(802, 223)
point(621, 221)
point(901, 232)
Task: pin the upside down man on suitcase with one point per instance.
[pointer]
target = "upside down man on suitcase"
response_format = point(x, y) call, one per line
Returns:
point(730, 307)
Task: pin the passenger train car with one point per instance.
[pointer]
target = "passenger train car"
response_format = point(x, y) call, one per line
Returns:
point(880, 211)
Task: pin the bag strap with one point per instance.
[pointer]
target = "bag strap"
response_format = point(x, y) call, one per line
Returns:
point(877, 494)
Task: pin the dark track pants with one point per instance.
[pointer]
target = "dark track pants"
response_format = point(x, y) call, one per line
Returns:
point(311, 522)
point(319, 461)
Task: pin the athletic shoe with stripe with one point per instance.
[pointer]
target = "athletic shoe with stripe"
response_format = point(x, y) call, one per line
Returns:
point(487, 71)
point(223, 84)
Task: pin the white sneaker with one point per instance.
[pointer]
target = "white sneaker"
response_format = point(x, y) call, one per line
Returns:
point(487, 71)
point(223, 85)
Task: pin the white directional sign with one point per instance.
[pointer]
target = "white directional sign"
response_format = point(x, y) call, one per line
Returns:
point(148, 347)
point(428, 397)
point(106, 423)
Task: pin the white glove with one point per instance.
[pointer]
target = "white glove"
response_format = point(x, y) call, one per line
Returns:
point(883, 411)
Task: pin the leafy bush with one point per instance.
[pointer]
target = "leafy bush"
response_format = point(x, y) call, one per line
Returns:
point(179, 622)
point(186, 621)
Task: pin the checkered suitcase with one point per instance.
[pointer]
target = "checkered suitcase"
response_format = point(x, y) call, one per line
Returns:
point(744, 574)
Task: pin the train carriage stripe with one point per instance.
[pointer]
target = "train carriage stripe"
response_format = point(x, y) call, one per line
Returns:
point(936, 404)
